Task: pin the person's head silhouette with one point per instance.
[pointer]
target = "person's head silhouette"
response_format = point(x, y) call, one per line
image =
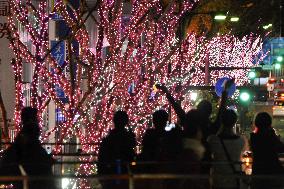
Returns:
point(229, 118)
point(192, 126)
point(205, 108)
point(30, 125)
point(263, 121)
point(120, 119)
point(28, 115)
point(160, 118)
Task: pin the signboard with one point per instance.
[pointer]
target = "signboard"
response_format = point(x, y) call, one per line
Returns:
point(220, 86)
point(59, 115)
point(6, 55)
point(267, 67)
point(4, 12)
point(55, 16)
point(58, 51)
point(270, 87)
point(260, 81)
point(60, 94)
point(274, 47)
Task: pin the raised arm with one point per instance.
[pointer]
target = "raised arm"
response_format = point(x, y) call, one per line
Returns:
point(217, 123)
point(177, 107)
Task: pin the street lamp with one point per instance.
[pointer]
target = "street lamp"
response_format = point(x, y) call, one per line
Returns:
point(234, 19)
point(267, 26)
point(220, 17)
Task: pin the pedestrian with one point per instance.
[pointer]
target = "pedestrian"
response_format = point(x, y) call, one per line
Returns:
point(205, 108)
point(116, 151)
point(151, 142)
point(149, 161)
point(26, 156)
point(265, 146)
point(191, 156)
point(226, 148)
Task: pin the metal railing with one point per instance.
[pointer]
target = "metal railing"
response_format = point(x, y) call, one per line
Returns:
point(133, 179)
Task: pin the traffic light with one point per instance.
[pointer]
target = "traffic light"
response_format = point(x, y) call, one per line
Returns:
point(277, 66)
point(252, 74)
point(245, 96)
point(279, 58)
point(278, 63)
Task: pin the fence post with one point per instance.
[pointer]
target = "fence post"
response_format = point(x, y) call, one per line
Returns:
point(25, 183)
point(25, 180)
point(131, 181)
point(130, 178)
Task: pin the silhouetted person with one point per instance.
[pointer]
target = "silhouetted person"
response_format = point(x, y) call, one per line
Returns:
point(190, 159)
point(26, 155)
point(116, 151)
point(205, 108)
point(265, 146)
point(158, 146)
point(151, 150)
point(226, 146)
point(151, 143)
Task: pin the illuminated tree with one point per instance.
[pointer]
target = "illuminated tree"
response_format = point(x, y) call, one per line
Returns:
point(148, 37)
point(143, 50)
point(147, 46)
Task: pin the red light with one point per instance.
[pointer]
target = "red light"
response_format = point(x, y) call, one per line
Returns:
point(271, 80)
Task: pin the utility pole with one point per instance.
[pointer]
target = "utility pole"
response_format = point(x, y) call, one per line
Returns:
point(207, 71)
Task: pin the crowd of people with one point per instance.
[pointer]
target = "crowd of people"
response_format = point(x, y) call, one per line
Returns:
point(195, 146)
